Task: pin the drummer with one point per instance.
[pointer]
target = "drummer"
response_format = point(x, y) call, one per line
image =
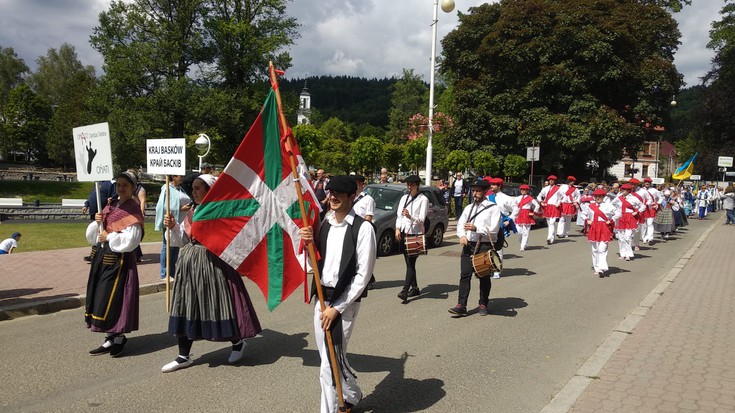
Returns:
point(410, 217)
point(477, 229)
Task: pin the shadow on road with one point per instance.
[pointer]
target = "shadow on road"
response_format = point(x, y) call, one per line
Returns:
point(512, 272)
point(616, 270)
point(436, 291)
point(506, 306)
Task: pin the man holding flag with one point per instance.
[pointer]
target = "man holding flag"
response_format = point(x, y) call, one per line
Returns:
point(347, 246)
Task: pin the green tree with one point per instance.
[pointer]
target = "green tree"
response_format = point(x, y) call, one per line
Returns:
point(27, 123)
point(392, 156)
point(366, 154)
point(66, 84)
point(414, 153)
point(409, 96)
point(309, 139)
point(514, 166)
point(583, 79)
point(12, 72)
point(485, 163)
point(334, 128)
point(333, 157)
point(457, 160)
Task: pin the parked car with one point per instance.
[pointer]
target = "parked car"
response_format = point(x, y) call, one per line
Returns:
point(387, 197)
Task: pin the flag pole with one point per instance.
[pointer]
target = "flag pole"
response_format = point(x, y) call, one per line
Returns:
point(168, 244)
point(310, 246)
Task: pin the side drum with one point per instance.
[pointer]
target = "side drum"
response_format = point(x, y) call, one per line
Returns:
point(486, 263)
point(415, 245)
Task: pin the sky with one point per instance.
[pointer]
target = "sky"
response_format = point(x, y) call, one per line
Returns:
point(362, 38)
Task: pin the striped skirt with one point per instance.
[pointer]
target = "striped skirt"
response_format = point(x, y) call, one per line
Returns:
point(209, 299)
point(664, 221)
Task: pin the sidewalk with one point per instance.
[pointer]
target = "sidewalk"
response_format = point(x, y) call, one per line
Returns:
point(47, 281)
point(680, 357)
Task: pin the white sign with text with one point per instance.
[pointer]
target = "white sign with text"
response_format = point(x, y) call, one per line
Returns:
point(724, 161)
point(695, 178)
point(92, 152)
point(166, 156)
point(657, 181)
point(532, 153)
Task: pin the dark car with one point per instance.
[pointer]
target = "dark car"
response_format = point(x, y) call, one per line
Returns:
point(386, 198)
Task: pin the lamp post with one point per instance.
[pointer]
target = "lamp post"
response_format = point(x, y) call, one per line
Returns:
point(203, 144)
point(447, 7)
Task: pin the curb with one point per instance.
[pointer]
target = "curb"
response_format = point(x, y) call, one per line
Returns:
point(565, 399)
point(67, 303)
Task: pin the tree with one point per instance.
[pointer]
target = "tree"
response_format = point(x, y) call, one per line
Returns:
point(409, 96)
point(514, 166)
point(485, 163)
point(366, 153)
point(27, 117)
point(12, 71)
point(66, 85)
point(583, 79)
point(392, 156)
point(334, 157)
point(334, 128)
point(414, 153)
point(309, 140)
point(457, 161)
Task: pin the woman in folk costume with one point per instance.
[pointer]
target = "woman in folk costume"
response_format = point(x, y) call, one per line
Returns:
point(209, 300)
point(584, 200)
point(550, 200)
point(599, 217)
point(113, 289)
point(664, 221)
point(523, 211)
point(630, 207)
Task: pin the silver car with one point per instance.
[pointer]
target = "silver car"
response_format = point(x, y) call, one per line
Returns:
point(386, 198)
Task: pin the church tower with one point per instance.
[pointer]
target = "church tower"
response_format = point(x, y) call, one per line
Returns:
point(304, 112)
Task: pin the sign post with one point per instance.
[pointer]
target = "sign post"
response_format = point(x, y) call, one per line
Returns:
point(166, 157)
point(532, 154)
point(93, 156)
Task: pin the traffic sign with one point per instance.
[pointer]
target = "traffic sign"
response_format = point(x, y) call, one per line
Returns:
point(725, 161)
point(532, 153)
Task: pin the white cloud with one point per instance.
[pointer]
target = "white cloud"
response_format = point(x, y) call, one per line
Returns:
point(340, 37)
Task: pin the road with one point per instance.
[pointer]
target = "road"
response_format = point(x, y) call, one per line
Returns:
point(548, 314)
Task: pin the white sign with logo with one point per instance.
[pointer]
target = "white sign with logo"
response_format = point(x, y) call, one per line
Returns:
point(92, 152)
point(731, 173)
point(725, 161)
point(657, 181)
point(166, 156)
point(695, 177)
point(532, 153)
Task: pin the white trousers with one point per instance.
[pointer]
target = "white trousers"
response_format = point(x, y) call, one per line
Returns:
point(350, 390)
point(565, 223)
point(625, 241)
point(550, 225)
point(648, 232)
point(500, 254)
point(523, 230)
point(638, 234)
point(599, 256)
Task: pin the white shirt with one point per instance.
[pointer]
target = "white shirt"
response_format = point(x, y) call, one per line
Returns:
point(653, 195)
point(8, 244)
point(532, 206)
point(568, 199)
point(553, 200)
point(124, 241)
point(505, 203)
point(611, 212)
point(487, 221)
point(417, 209)
point(364, 205)
point(635, 203)
point(458, 183)
point(364, 264)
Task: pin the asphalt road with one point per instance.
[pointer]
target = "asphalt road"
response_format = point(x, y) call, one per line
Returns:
point(548, 314)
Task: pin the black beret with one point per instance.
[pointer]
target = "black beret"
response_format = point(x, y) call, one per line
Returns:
point(413, 179)
point(358, 178)
point(482, 184)
point(343, 184)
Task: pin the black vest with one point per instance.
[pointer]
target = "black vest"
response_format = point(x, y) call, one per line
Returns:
point(347, 263)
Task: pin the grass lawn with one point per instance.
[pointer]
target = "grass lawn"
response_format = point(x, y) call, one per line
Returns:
point(52, 236)
point(51, 192)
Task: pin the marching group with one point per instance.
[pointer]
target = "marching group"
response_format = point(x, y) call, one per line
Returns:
point(210, 301)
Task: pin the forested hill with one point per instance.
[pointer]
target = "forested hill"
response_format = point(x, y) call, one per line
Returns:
point(351, 99)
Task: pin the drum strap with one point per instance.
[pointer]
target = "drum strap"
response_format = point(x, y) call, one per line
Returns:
point(472, 217)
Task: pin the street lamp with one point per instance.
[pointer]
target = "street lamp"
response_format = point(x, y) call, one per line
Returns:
point(447, 7)
point(203, 144)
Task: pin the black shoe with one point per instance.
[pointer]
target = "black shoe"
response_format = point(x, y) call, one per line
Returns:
point(371, 285)
point(458, 309)
point(88, 258)
point(482, 310)
point(403, 295)
point(117, 349)
point(100, 350)
point(414, 292)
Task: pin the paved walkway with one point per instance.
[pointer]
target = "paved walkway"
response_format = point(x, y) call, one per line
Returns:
point(680, 357)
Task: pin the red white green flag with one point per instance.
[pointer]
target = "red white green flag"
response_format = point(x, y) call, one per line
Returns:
point(250, 218)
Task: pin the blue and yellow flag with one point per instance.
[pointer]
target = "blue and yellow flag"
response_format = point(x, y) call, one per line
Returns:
point(685, 171)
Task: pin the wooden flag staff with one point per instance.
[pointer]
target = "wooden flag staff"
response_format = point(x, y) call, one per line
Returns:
point(310, 246)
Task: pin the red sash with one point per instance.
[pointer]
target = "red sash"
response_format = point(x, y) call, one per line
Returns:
point(638, 196)
point(524, 201)
point(626, 204)
point(551, 193)
point(570, 191)
point(598, 215)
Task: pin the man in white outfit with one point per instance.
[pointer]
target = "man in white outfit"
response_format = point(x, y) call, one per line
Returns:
point(630, 207)
point(505, 203)
point(524, 209)
point(344, 238)
point(569, 206)
point(654, 196)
